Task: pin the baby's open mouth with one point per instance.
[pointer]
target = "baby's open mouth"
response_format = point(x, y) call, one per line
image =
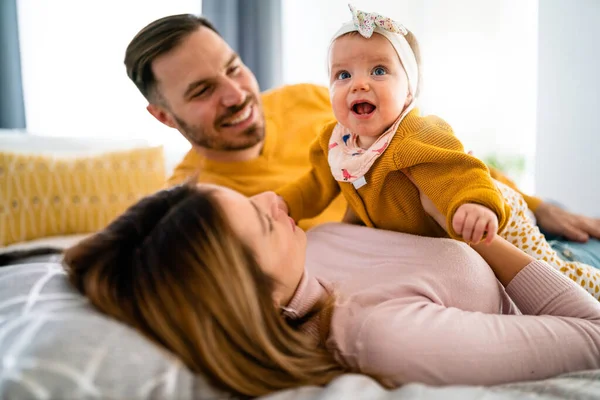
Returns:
point(363, 108)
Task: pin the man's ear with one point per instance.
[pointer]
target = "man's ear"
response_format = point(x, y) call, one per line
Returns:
point(161, 115)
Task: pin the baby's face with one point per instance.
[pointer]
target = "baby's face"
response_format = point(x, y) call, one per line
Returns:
point(367, 84)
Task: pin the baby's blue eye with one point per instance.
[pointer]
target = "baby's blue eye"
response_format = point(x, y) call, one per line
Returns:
point(344, 75)
point(379, 71)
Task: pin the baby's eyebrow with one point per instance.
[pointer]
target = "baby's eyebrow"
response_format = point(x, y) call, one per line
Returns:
point(378, 59)
point(382, 59)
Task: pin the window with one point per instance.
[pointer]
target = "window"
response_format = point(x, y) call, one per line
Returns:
point(74, 80)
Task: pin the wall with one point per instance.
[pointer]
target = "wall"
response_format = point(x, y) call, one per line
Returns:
point(568, 136)
point(479, 56)
point(308, 26)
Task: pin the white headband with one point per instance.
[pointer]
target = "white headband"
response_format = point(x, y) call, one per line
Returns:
point(367, 23)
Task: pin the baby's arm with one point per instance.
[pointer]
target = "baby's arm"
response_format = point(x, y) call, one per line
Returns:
point(310, 195)
point(453, 179)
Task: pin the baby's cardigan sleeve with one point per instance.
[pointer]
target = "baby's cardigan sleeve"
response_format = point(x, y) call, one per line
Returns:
point(447, 175)
point(310, 195)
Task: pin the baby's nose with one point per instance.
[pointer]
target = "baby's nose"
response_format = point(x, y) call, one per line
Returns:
point(360, 84)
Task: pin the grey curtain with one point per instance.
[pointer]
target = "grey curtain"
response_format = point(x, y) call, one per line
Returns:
point(253, 28)
point(12, 107)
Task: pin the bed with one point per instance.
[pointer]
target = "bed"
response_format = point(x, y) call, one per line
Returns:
point(54, 345)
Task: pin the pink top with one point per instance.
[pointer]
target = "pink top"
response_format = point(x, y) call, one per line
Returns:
point(416, 309)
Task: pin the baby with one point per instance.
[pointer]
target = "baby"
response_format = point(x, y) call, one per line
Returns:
point(378, 136)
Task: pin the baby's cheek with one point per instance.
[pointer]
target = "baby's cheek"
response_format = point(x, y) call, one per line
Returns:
point(390, 110)
point(340, 110)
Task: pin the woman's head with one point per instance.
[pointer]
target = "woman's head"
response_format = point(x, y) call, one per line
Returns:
point(278, 244)
point(201, 270)
point(372, 79)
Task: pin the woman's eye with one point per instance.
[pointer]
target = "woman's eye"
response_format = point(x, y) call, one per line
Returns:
point(379, 71)
point(233, 70)
point(343, 75)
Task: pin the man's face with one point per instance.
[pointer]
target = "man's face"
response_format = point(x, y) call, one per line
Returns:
point(208, 94)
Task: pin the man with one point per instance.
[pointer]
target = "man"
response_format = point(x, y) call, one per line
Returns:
point(252, 142)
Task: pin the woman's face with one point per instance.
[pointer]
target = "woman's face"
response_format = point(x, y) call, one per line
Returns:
point(273, 236)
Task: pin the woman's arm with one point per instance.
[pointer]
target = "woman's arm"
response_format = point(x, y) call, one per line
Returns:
point(417, 340)
point(503, 258)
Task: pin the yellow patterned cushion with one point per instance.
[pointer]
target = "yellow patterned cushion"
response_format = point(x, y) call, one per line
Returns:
point(43, 195)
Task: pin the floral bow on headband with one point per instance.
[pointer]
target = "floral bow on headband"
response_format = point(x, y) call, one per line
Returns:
point(367, 22)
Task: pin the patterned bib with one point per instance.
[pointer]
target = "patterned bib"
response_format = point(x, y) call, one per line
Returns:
point(347, 160)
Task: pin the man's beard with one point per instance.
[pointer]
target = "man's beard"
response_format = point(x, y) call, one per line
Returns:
point(214, 140)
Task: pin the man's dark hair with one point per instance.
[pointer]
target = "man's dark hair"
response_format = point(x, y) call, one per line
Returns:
point(156, 39)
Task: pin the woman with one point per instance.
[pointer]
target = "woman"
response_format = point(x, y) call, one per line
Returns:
point(219, 279)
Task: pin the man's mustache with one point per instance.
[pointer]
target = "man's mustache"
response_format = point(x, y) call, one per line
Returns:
point(234, 110)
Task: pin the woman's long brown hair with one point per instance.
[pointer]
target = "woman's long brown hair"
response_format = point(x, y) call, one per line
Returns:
point(171, 267)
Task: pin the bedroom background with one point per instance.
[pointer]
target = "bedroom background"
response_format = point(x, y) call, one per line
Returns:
point(517, 79)
point(518, 91)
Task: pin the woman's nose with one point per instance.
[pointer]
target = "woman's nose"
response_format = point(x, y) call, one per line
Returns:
point(267, 200)
point(274, 204)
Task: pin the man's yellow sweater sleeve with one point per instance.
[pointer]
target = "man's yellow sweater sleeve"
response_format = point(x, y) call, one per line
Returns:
point(308, 196)
point(448, 176)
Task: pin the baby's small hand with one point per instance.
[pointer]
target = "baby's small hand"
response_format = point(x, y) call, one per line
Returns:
point(472, 220)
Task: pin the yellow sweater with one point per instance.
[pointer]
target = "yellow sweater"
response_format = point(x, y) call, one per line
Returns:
point(428, 149)
point(294, 116)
